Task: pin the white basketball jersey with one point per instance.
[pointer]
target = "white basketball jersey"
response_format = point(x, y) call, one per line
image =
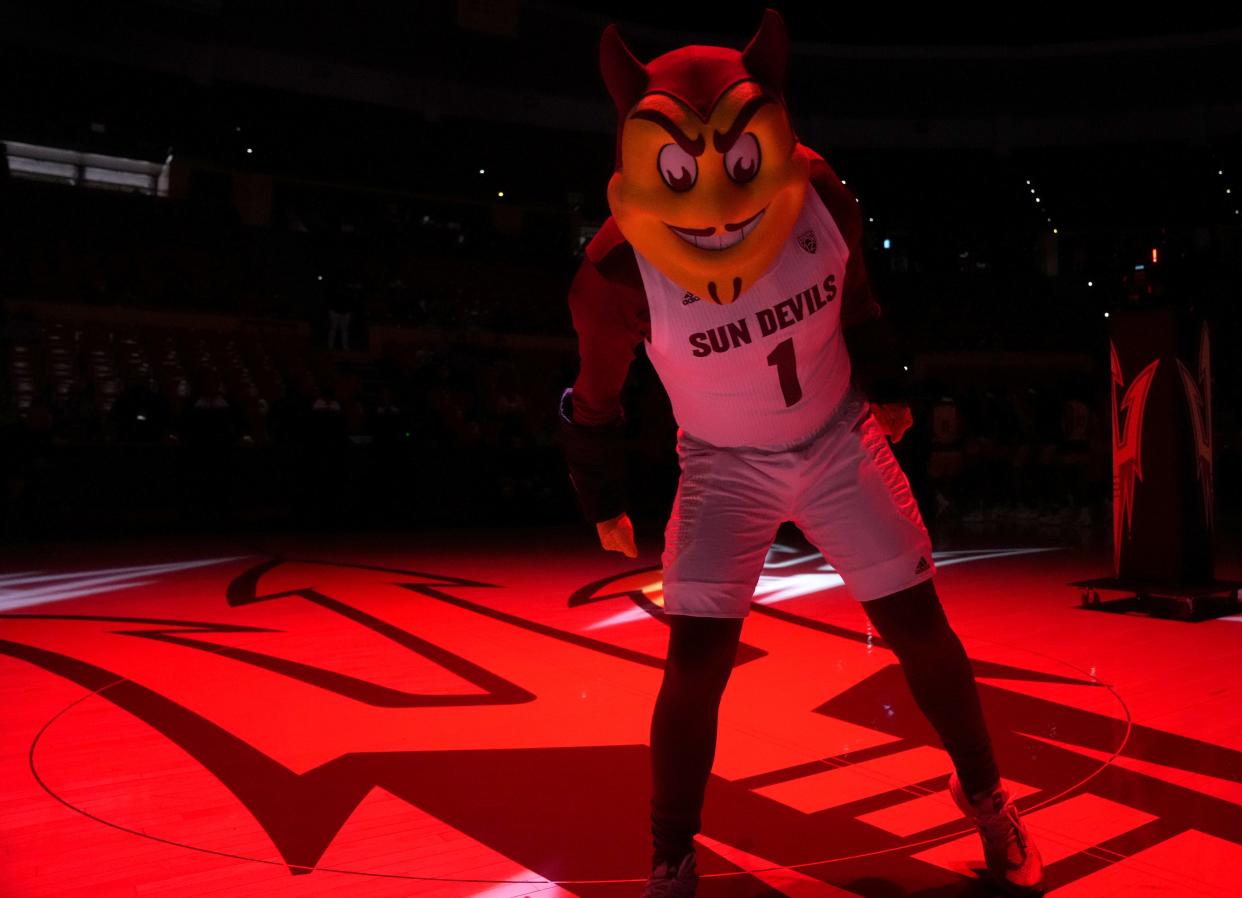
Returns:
point(770, 368)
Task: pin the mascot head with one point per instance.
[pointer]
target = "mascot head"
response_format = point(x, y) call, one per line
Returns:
point(710, 176)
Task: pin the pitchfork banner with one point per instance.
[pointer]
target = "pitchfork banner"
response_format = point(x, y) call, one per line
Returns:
point(1161, 396)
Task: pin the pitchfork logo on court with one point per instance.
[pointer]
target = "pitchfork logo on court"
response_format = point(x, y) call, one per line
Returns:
point(292, 701)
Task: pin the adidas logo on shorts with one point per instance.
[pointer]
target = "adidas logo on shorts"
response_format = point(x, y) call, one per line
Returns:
point(922, 565)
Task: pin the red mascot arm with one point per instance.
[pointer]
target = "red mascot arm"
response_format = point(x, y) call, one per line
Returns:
point(873, 345)
point(609, 311)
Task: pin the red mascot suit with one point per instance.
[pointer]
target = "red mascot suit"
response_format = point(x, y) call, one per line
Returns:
point(734, 256)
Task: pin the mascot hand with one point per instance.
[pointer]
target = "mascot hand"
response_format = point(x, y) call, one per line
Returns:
point(894, 418)
point(617, 535)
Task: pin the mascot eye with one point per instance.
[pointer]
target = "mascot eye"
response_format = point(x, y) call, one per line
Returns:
point(742, 161)
point(678, 168)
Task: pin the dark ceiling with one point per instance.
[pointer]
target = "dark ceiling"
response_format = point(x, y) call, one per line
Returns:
point(384, 25)
point(883, 24)
point(425, 93)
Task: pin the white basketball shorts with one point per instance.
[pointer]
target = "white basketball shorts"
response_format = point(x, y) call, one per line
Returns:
point(843, 489)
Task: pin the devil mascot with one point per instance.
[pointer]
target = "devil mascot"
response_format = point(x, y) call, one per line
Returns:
point(734, 253)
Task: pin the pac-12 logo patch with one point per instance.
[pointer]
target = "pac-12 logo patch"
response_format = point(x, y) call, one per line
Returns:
point(806, 240)
point(688, 297)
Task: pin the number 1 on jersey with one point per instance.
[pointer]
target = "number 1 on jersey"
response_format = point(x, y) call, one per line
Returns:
point(787, 369)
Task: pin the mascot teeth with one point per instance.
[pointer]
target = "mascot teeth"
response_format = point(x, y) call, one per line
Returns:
point(717, 241)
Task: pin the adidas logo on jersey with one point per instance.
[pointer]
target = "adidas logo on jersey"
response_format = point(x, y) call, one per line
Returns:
point(688, 297)
point(922, 565)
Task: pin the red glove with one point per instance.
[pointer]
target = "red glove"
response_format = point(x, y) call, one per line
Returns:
point(617, 534)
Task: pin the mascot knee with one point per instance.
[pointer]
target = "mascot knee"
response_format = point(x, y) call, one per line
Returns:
point(701, 653)
point(912, 621)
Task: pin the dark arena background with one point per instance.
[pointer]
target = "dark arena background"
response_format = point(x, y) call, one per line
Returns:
point(296, 595)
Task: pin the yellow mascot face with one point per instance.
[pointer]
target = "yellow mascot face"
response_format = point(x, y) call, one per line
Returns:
point(709, 204)
point(710, 177)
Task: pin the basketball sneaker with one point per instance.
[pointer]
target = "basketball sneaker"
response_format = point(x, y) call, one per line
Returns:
point(1012, 858)
point(673, 879)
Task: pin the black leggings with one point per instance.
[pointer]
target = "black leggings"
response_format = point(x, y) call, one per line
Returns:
point(701, 653)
